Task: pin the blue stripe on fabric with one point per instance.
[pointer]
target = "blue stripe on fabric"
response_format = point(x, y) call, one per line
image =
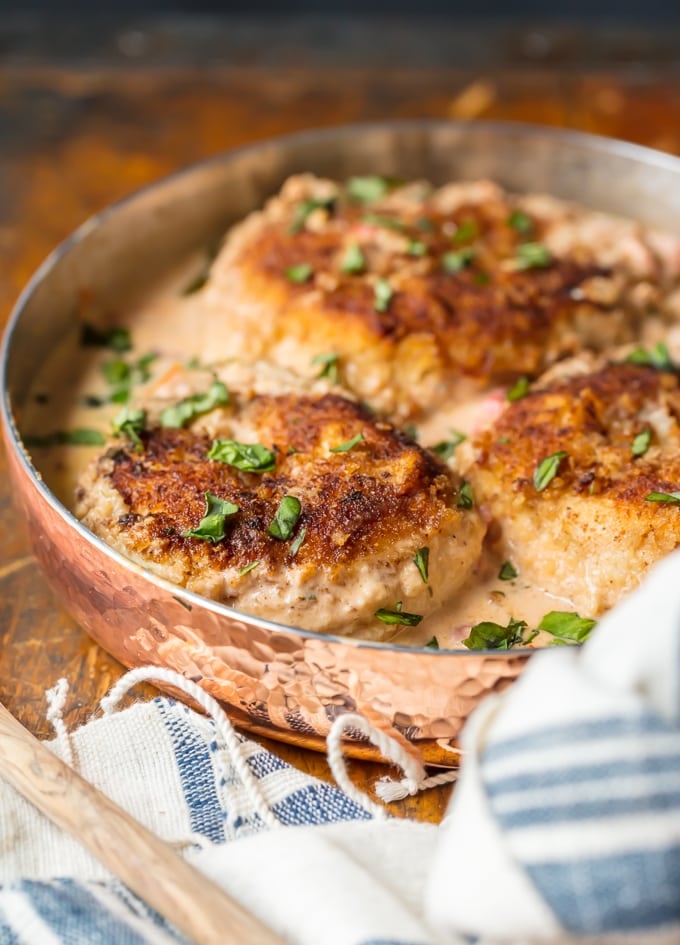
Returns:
point(264, 763)
point(578, 774)
point(197, 776)
point(626, 892)
point(140, 909)
point(75, 916)
point(536, 816)
point(643, 724)
point(318, 804)
point(7, 936)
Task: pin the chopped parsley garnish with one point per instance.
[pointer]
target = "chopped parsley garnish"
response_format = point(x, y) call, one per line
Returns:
point(117, 339)
point(657, 357)
point(421, 561)
point(566, 627)
point(666, 498)
point(122, 375)
point(81, 436)
point(329, 362)
point(248, 457)
point(641, 442)
point(432, 644)
point(304, 209)
point(181, 413)
point(508, 571)
point(387, 223)
point(249, 567)
point(196, 283)
point(417, 248)
point(425, 224)
point(286, 518)
point(383, 295)
point(482, 278)
point(211, 526)
point(457, 260)
point(353, 260)
point(115, 372)
point(299, 273)
point(130, 422)
point(370, 188)
point(398, 616)
point(466, 499)
point(467, 231)
point(520, 221)
point(446, 448)
point(297, 544)
point(518, 390)
point(533, 256)
point(348, 444)
point(547, 469)
point(492, 636)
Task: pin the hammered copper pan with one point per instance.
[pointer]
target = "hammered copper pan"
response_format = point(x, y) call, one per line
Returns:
point(287, 683)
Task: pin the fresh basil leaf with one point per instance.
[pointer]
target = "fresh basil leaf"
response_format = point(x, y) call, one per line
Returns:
point(286, 518)
point(492, 636)
point(130, 422)
point(398, 617)
point(446, 448)
point(466, 499)
point(353, 260)
point(370, 188)
point(657, 357)
point(457, 260)
point(81, 436)
point(533, 256)
point(297, 544)
point(211, 526)
point(249, 567)
point(248, 457)
point(641, 442)
point(329, 362)
point(518, 390)
point(567, 627)
point(115, 372)
point(667, 498)
point(383, 295)
point(181, 413)
point(468, 230)
point(520, 221)
point(421, 561)
point(197, 283)
point(348, 444)
point(426, 225)
point(432, 644)
point(417, 248)
point(305, 208)
point(299, 273)
point(410, 429)
point(508, 571)
point(482, 278)
point(117, 339)
point(387, 223)
point(547, 469)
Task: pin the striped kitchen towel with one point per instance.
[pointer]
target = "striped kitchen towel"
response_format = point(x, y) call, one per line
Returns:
point(564, 826)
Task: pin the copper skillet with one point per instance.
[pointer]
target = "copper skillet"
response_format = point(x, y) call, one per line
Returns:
point(277, 680)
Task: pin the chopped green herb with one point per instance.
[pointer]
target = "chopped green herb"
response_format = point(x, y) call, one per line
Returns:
point(446, 448)
point(417, 248)
point(193, 364)
point(518, 390)
point(533, 256)
point(353, 260)
point(299, 273)
point(196, 283)
point(468, 230)
point(667, 498)
point(304, 209)
point(330, 361)
point(657, 357)
point(248, 457)
point(369, 189)
point(482, 278)
point(383, 295)
point(547, 469)
point(421, 561)
point(92, 400)
point(297, 544)
point(249, 567)
point(121, 375)
point(492, 636)
point(81, 436)
point(566, 627)
point(181, 413)
point(508, 571)
point(457, 260)
point(115, 372)
point(387, 223)
point(641, 442)
point(398, 616)
point(425, 224)
point(117, 339)
point(348, 444)
point(432, 644)
point(411, 430)
point(130, 422)
point(466, 499)
point(211, 526)
point(520, 221)
point(286, 518)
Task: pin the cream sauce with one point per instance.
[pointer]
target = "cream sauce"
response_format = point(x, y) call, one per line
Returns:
point(172, 325)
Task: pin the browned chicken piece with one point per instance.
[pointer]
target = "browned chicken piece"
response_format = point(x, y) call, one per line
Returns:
point(289, 502)
point(425, 294)
point(579, 477)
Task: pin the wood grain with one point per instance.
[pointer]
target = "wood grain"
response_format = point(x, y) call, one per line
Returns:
point(74, 139)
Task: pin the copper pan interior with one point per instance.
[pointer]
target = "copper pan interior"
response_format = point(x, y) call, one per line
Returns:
point(278, 680)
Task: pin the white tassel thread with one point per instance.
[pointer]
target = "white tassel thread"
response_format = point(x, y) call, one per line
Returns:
point(56, 700)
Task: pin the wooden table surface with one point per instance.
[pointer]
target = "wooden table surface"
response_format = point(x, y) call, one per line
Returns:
point(80, 128)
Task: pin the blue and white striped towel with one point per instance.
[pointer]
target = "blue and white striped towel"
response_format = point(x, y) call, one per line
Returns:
point(564, 827)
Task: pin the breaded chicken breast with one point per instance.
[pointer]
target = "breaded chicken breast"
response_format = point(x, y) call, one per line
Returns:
point(284, 500)
point(422, 294)
point(581, 478)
